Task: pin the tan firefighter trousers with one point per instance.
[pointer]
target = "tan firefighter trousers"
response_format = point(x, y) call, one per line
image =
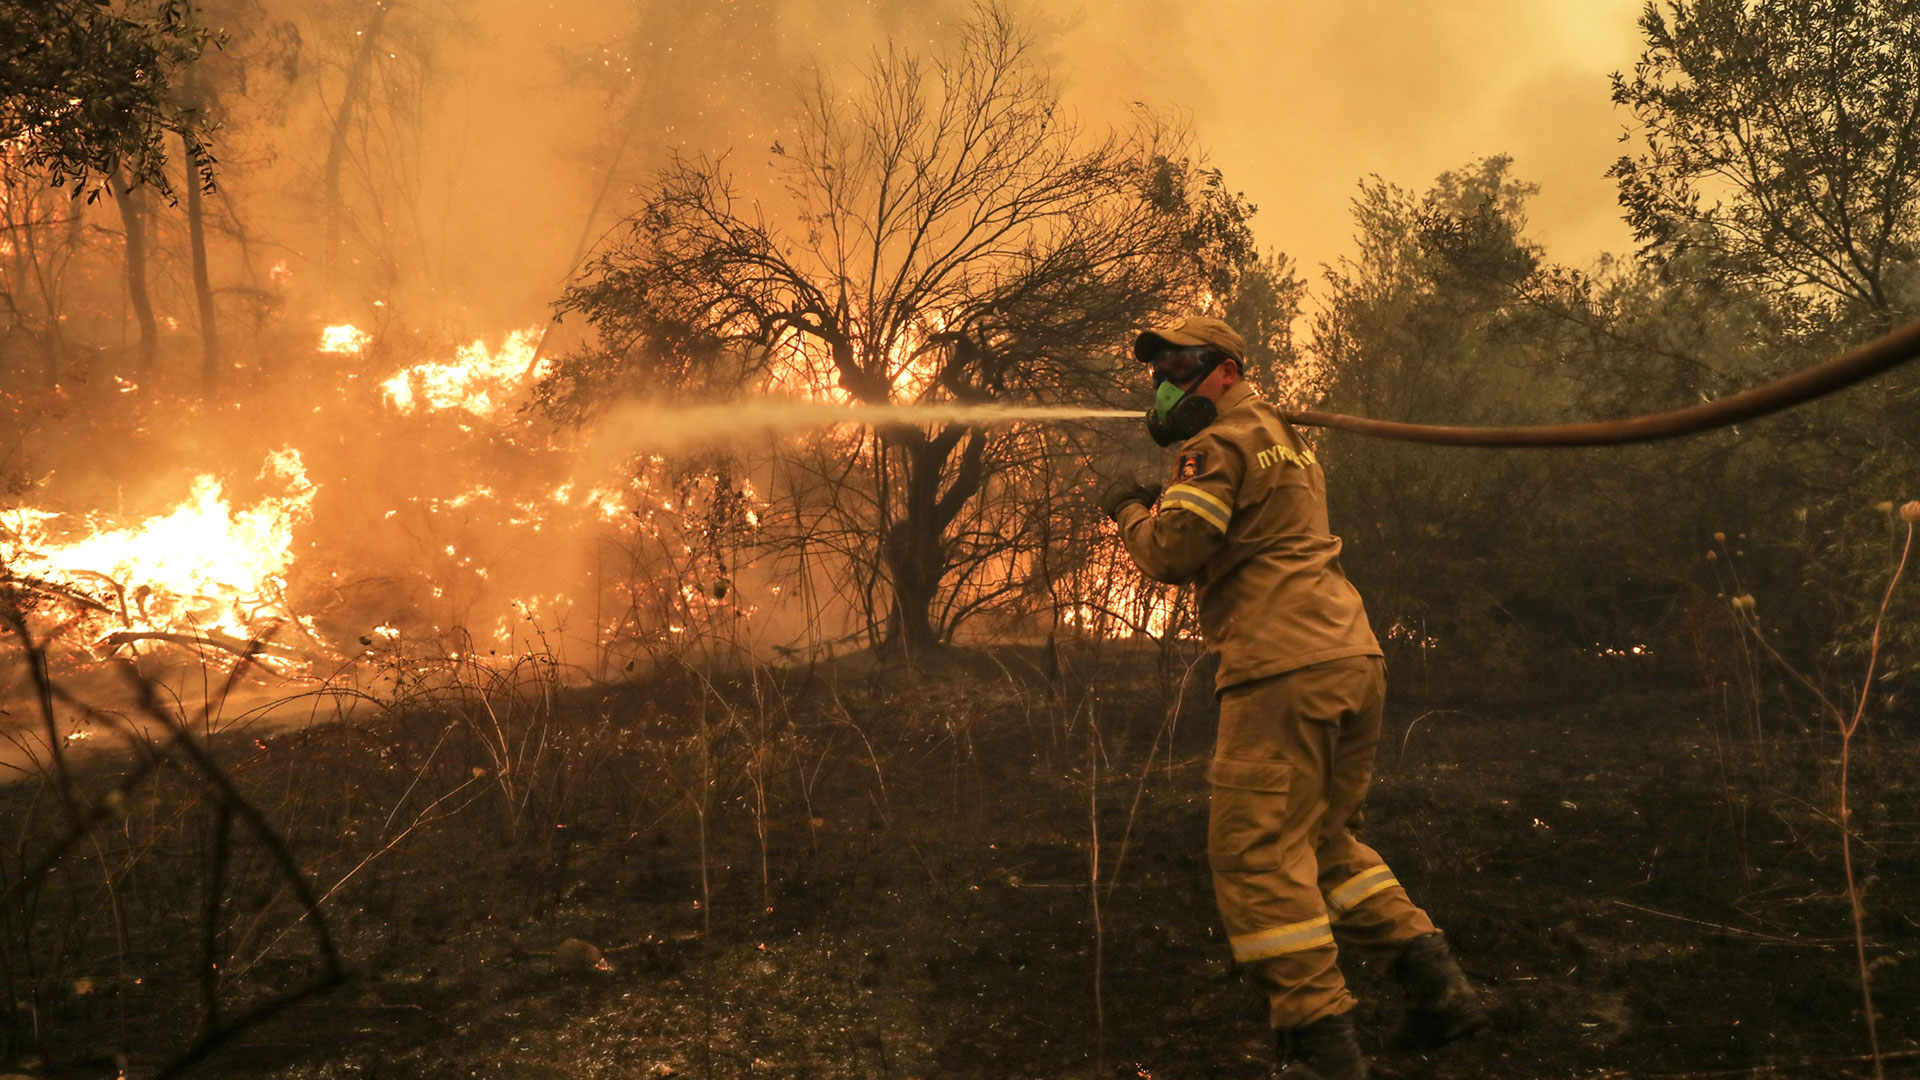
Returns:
point(1290, 768)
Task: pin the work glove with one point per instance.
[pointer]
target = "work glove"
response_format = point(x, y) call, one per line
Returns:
point(1125, 490)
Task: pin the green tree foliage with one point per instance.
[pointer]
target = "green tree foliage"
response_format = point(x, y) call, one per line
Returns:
point(1449, 314)
point(949, 236)
point(1774, 188)
point(88, 88)
point(1780, 140)
point(1427, 323)
point(1781, 157)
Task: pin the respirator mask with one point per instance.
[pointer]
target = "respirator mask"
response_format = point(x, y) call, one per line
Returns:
point(1179, 414)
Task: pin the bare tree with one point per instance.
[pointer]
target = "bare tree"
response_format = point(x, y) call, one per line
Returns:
point(378, 66)
point(33, 278)
point(353, 102)
point(952, 236)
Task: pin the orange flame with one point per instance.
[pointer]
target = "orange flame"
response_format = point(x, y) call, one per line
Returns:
point(346, 339)
point(201, 567)
point(479, 380)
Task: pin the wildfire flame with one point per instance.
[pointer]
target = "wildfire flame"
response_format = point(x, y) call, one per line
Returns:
point(201, 568)
point(479, 380)
point(346, 339)
point(1129, 604)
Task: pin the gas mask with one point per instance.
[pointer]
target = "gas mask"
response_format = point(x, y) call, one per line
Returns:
point(1178, 415)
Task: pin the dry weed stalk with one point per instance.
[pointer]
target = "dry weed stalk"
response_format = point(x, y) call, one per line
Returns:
point(1095, 749)
point(1847, 726)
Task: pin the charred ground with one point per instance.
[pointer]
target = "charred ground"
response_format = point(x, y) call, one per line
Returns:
point(894, 878)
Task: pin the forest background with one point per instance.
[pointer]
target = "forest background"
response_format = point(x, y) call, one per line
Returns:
point(927, 223)
point(1765, 177)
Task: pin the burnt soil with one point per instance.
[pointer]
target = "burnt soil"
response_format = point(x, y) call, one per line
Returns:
point(1641, 887)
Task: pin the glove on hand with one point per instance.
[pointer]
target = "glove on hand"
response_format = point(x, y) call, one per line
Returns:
point(1125, 490)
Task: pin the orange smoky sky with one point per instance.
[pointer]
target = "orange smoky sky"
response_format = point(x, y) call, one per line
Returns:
point(1299, 100)
point(1296, 101)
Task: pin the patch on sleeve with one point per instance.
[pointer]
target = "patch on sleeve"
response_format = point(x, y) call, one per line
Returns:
point(1189, 466)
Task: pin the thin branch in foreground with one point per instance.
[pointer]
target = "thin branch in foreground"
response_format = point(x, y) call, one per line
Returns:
point(182, 750)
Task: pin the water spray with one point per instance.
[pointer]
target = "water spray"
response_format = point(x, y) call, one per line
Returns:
point(646, 427)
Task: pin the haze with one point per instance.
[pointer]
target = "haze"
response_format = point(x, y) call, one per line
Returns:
point(1296, 101)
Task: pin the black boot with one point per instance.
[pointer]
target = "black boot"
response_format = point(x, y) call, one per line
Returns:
point(1441, 1005)
point(1326, 1049)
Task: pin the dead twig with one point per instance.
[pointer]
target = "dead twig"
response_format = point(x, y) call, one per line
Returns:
point(16, 622)
point(1146, 769)
point(235, 805)
point(1809, 943)
point(1415, 722)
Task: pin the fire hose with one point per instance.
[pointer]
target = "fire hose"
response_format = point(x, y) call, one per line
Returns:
point(1883, 353)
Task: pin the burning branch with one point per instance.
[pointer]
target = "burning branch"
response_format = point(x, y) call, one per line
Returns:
point(248, 647)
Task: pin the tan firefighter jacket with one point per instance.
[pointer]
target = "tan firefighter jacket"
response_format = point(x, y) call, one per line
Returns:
point(1245, 517)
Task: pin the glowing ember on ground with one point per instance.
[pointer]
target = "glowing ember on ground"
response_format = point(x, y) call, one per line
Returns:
point(203, 567)
point(478, 380)
point(345, 338)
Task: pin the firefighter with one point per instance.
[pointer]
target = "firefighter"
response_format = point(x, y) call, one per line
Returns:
point(1301, 686)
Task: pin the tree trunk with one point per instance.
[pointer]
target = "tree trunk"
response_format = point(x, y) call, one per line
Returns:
point(133, 218)
point(53, 347)
point(202, 288)
point(337, 145)
point(585, 242)
point(76, 223)
point(33, 263)
point(914, 562)
point(26, 267)
point(917, 558)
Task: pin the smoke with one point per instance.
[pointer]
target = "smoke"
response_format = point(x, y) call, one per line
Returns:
point(539, 121)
